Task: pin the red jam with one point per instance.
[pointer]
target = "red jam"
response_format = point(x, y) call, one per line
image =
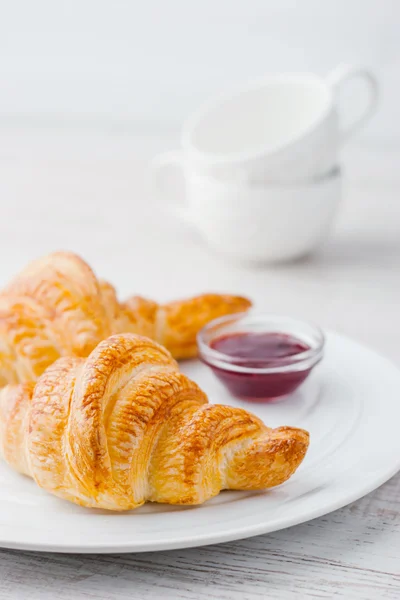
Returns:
point(260, 351)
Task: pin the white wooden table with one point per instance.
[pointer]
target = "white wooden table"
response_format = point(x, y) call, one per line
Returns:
point(88, 191)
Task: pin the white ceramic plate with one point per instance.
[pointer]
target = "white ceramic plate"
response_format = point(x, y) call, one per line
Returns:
point(350, 405)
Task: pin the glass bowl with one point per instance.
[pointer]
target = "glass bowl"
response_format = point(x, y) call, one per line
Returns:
point(258, 356)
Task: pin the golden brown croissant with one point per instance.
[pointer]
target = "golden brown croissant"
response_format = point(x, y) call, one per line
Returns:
point(125, 426)
point(57, 307)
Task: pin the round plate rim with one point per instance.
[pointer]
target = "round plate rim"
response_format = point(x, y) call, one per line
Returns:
point(235, 533)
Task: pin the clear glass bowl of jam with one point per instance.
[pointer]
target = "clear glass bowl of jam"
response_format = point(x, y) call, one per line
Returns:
point(260, 357)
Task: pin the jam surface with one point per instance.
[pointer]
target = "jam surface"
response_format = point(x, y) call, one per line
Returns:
point(260, 350)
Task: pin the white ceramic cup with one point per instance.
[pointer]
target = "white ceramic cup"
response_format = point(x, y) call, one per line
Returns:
point(261, 223)
point(281, 128)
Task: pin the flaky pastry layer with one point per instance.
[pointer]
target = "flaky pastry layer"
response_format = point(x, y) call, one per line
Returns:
point(124, 426)
point(57, 307)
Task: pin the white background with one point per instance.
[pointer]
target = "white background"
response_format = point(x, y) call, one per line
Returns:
point(147, 63)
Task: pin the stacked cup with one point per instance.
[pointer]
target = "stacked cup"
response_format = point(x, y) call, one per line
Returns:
point(261, 166)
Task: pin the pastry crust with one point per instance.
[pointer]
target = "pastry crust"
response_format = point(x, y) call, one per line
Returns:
point(57, 307)
point(124, 426)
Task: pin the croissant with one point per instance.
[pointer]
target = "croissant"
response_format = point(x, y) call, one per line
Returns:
point(124, 426)
point(57, 307)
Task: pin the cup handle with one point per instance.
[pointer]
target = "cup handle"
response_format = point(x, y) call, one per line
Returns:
point(343, 73)
point(162, 167)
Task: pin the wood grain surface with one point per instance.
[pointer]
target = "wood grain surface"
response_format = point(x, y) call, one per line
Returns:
point(89, 193)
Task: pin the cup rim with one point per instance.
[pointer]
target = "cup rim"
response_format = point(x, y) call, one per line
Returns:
point(298, 362)
point(211, 158)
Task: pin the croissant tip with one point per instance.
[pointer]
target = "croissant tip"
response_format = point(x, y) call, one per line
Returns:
point(241, 301)
point(299, 438)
